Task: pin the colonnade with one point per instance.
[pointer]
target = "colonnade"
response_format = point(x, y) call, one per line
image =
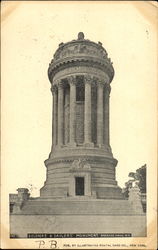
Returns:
point(102, 123)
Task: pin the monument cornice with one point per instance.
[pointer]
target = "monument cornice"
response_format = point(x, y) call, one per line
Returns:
point(82, 61)
point(81, 70)
point(86, 158)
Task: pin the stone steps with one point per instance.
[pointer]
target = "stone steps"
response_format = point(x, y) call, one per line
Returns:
point(81, 207)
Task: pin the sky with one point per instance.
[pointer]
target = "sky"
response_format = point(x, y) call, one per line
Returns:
point(31, 33)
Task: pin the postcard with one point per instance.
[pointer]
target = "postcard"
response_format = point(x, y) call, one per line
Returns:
point(79, 109)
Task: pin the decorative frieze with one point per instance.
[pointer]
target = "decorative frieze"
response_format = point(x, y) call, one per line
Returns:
point(72, 49)
point(80, 165)
point(110, 162)
point(81, 70)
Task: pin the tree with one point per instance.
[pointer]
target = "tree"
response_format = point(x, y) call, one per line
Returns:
point(141, 172)
point(140, 177)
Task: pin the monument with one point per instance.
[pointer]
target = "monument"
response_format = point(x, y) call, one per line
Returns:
point(80, 187)
point(80, 75)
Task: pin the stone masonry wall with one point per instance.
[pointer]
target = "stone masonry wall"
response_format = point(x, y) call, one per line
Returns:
point(23, 224)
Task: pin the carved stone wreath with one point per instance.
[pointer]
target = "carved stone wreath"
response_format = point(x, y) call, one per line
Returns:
point(80, 164)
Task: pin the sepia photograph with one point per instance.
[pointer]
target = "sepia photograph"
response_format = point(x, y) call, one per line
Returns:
point(79, 125)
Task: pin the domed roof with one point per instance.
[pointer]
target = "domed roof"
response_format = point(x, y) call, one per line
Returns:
point(79, 50)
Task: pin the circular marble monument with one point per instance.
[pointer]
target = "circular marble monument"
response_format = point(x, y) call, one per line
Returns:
point(81, 164)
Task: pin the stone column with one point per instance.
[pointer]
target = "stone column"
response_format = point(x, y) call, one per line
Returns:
point(54, 129)
point(72, 82)
point(100, 92)
point(106, 115)
point(60, 114)
point(87, 112)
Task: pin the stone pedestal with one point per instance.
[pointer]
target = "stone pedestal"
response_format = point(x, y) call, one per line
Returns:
point(135, 198)
point(78, 216)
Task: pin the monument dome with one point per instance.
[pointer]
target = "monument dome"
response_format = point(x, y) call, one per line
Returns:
point(81, 52)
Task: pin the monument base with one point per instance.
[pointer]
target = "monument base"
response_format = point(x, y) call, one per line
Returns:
point(77, 216)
